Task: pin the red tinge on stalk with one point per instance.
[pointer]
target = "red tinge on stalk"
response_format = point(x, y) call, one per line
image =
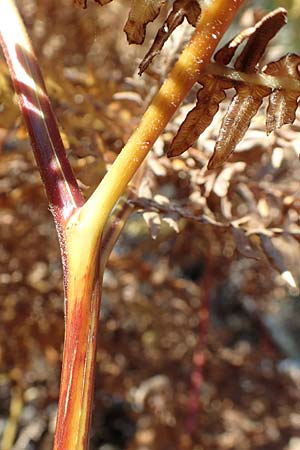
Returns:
point(60, 184)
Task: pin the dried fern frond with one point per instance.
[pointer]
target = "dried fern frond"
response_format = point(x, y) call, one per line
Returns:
point(282, 103)
point(248, 98)
point(189, 9)
point(278, 80)
point(141, 13)
point(199, 118)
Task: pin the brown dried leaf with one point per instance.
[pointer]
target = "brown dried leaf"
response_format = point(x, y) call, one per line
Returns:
point(248, 98)
point(226, 53)
point(282, 102)
point(181, 9)
point(141, 13)
point(236, 121)
point(246, 102)
point(263, 30)
point(199, 118)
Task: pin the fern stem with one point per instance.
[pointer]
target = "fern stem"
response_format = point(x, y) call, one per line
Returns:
point(77, 379)
point(257, 79)
point(215, 19)
point(62, 190)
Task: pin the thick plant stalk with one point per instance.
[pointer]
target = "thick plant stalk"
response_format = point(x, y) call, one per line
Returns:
point(215, 18)
point(62, 190)
point(214, 21)
point(74, 411)
point(75, 401)
point(82, 279)
point(80, 226)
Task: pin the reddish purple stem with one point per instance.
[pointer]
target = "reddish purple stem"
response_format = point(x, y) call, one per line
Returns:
point(197, 378)
point(61, 186)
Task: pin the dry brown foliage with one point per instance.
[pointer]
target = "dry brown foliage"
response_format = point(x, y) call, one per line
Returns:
point(249, 95)
point(218, 236)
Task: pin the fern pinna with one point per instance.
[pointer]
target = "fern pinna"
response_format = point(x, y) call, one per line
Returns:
point(252, 81)
point(279, 81)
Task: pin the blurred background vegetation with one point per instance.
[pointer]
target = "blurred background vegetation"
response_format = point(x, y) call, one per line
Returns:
point(198, 345)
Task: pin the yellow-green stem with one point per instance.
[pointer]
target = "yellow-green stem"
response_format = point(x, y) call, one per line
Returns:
point(215, 19)
point(83, 293)
point(85, 229)
point(257, 79)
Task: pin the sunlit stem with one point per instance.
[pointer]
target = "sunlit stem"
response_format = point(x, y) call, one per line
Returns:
point(62, 190)
point(77, 380)
point(254, 79)
point(83, 293)
point(213, 22)
point(82, 226)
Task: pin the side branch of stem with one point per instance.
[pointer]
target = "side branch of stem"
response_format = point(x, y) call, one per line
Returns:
point(212, 24)
point(256, 79)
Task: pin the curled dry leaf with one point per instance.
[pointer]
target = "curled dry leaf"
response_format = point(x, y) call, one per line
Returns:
point(181, 9)
point(226, 53)
point(249, 95)
point(142, 12)
point(282, 103)
point(236, 122)
point(248, 98)
point(199, 118)
point(262, 32)
point(256, 45)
